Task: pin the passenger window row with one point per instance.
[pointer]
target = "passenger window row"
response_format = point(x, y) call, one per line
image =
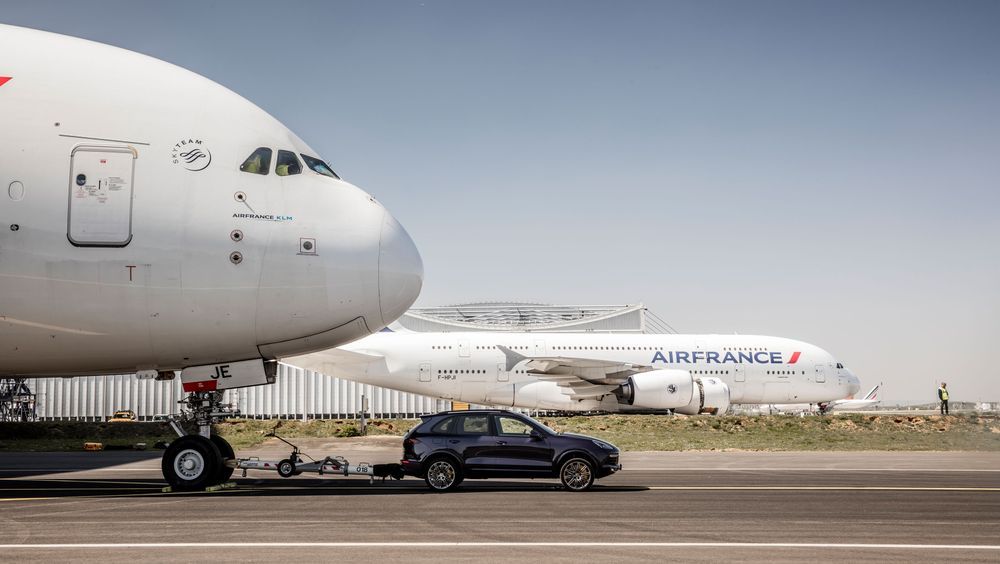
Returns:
point(287, 164)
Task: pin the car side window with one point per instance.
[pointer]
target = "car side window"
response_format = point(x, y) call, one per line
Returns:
point(513, 427)
point(258, 162)
point(445, 426)
point(288, 164)
point(475, 425)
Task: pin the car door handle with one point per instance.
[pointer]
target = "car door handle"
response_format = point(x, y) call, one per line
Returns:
point(454, 441)
point(501, 442)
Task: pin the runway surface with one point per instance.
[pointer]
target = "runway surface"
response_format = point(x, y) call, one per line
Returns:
point(776, 507)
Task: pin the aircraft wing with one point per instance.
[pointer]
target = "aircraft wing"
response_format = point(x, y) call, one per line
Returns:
point(580, 378)
point(331, 361)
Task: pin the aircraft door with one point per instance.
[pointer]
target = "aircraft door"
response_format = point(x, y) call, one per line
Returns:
point(740, 374)
point(539, 348)
point(502, 374)
point(463, 347)
point(100, 195)
point(820, 375)
point(425, 372)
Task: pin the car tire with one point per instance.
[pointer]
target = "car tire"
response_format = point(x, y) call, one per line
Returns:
point(577, 474)
point(442, 474)
point(286, 468)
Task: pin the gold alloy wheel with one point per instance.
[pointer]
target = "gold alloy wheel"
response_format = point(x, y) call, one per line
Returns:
point(577, 475)
point(441, 475)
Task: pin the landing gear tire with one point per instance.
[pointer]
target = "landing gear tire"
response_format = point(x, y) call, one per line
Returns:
point(191, 463)
point(443, 474)
point(286, 468)
point(577, 474)
point(226, 450)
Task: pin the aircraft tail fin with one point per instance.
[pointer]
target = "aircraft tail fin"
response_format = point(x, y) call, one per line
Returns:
point(332, 362)
point(873, 393)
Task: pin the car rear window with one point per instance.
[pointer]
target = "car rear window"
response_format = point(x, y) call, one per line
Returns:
point(475, 425)
point(472, 424)
point(444, 427)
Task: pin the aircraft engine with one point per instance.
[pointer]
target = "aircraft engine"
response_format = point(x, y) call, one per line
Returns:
point(711, 396)
point(658, 389)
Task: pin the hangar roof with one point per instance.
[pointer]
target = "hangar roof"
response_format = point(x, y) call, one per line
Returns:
point(524, 316)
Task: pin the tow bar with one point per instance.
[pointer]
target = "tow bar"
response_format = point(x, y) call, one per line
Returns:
point(295, 465)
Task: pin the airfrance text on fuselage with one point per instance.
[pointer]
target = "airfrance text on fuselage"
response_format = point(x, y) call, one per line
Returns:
point(264, 216)
point(714, 357)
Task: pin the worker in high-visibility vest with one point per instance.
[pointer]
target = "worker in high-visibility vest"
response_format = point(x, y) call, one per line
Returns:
point(943, 396)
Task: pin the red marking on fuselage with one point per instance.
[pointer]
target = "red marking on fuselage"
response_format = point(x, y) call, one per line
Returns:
point(206, 386)
point(4, 79)
point(795, 357)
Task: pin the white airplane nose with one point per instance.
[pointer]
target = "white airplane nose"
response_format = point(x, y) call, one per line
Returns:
point(853, 384)
point(400, 270)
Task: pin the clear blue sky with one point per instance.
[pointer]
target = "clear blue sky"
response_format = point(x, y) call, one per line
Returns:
point(818, 170)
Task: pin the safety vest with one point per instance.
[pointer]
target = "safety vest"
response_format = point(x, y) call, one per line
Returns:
point(944, 394)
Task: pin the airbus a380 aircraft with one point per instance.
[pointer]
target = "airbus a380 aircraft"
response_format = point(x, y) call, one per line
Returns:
point(152, 220)
point(690, 374)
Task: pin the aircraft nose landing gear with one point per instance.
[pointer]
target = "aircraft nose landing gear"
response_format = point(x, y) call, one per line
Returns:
point(194, 462)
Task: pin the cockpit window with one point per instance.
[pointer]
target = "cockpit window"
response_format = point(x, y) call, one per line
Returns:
point(319, 166)
point(258, 162)
point(288, 164)
point(839, 365)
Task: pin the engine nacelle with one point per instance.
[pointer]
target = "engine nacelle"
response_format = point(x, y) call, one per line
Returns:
point(711, 396)
point(658, 389)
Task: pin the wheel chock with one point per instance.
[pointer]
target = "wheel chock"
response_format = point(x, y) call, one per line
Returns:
point(222, 486)
point(215, 488)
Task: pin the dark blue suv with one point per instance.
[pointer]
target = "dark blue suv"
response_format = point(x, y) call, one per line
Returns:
point(448, 447)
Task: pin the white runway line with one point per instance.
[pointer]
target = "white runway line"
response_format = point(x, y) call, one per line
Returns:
point(68, 470)
point(819, 470)
point(627, 468)
point(832, 488)
point(880, 546)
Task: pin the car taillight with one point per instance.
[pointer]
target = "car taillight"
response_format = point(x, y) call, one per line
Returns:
point(408, 444)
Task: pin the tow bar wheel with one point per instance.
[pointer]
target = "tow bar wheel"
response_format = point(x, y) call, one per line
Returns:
point(191, 462)
point(442, 475)
point(286, 468)
point(577, 474)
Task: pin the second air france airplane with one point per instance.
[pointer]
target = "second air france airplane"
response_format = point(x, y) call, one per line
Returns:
point(690, 374)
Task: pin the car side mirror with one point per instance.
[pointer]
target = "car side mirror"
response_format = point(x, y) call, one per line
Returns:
point(535, 436)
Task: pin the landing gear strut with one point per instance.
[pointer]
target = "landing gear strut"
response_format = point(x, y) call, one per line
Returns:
point(194, 462)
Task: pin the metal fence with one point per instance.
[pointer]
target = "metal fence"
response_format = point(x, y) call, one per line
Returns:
point(296, 394)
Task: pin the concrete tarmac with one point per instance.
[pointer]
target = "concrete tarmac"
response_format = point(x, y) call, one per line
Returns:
point(698, 506)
